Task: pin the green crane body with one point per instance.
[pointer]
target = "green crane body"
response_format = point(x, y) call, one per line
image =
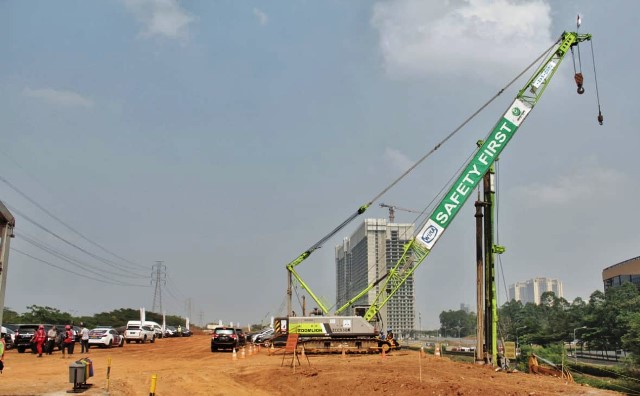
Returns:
point(416, 250)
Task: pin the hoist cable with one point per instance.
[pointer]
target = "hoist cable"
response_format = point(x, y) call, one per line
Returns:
point(595, 75)
point(424, 157)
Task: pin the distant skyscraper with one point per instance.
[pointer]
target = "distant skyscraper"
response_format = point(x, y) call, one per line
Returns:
point(374, 248)
point(531, 290)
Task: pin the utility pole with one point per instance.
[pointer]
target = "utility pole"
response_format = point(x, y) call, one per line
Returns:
point(7, 224)
point(159, 277)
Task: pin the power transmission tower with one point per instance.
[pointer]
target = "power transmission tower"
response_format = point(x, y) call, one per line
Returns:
point(159, 277)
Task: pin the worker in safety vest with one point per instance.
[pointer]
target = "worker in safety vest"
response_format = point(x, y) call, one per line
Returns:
point(39, 338)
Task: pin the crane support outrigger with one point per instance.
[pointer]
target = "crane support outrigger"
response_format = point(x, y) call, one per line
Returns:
point(416, 250)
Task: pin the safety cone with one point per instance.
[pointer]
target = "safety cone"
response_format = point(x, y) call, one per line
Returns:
point(384, 354)
point(344, 353)
point(272, 350)
point(437, 352)
point(235, 355)
point(242, 353)
point(250, 350)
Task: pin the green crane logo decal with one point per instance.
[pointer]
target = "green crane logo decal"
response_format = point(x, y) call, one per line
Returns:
point(516, 112)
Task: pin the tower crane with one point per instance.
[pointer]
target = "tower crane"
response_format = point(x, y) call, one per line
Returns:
point(392, 211)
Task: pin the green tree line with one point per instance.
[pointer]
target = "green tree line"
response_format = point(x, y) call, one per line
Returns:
point(608, 321)
point(38, 314)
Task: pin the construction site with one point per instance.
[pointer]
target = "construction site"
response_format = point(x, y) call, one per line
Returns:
point(187, 367)
point(370, 339)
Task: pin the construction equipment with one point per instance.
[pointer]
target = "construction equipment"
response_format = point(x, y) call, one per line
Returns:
point(416, 250)
point(392, 211)
point(334, 334)
point(552, 369)
point(330, 332)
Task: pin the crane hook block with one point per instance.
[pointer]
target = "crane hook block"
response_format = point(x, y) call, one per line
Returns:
point(579, 81)
point(600, 117)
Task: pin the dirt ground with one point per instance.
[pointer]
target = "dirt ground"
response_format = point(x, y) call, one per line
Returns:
point(186, 366)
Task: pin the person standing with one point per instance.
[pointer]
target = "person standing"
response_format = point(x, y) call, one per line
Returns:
point(68, 340)
point(3, 346)
point(51, 339)
point(179, 331)
point(84, 338)
point(39, 339)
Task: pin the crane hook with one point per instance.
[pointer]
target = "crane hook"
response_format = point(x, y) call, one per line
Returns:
point(600, 117)
point(579, 81)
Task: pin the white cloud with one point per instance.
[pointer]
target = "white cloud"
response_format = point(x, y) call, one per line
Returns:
point(397, 159)
point(588, 183)
point(58, 97)
point(263, 18)
point(484, 38)
point(161, 18)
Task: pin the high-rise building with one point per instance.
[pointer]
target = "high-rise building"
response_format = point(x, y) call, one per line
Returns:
point(626, 271)
point(361, 259)
point(531, 290)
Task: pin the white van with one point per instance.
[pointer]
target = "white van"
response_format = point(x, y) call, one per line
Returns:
point(157, 329)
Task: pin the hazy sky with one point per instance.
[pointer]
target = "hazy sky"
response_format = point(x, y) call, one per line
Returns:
point(224, 138)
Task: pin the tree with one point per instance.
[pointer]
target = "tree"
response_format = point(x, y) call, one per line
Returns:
point(38, 314)
point(462, 322)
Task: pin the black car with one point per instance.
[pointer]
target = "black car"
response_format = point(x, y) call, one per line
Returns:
point(23, 336)
point(224, 338)
point(186, 333)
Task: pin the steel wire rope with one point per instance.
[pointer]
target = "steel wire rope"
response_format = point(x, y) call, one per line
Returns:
point(105, 261)
point(500, 265)
point(71, 260)
point(73, 272)
point(424, 157)
point(595, 77)
point(25, 196)
point(424, 212)
point(175, 287)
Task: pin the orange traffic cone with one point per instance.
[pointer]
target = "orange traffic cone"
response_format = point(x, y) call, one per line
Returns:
point(242, 353)
point(235, 355)
point(384, 354)
point(437, 352)
point(344, 353)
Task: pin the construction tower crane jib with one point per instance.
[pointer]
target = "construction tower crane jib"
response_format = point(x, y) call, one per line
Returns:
point(419, 247)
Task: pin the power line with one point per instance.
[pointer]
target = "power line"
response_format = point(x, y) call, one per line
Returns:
point(25, 196)
point(71, 260)
point(73, 272)
point(105, 261)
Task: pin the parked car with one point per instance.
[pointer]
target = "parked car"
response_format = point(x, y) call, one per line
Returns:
point(139, 334)
point(170, 331)
point(105, 337)
point(263, 335)
point(23, 336)
point(186, 333)
point(224, 338)
point(9, 336)
point(279, 340)
point(242, 338)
